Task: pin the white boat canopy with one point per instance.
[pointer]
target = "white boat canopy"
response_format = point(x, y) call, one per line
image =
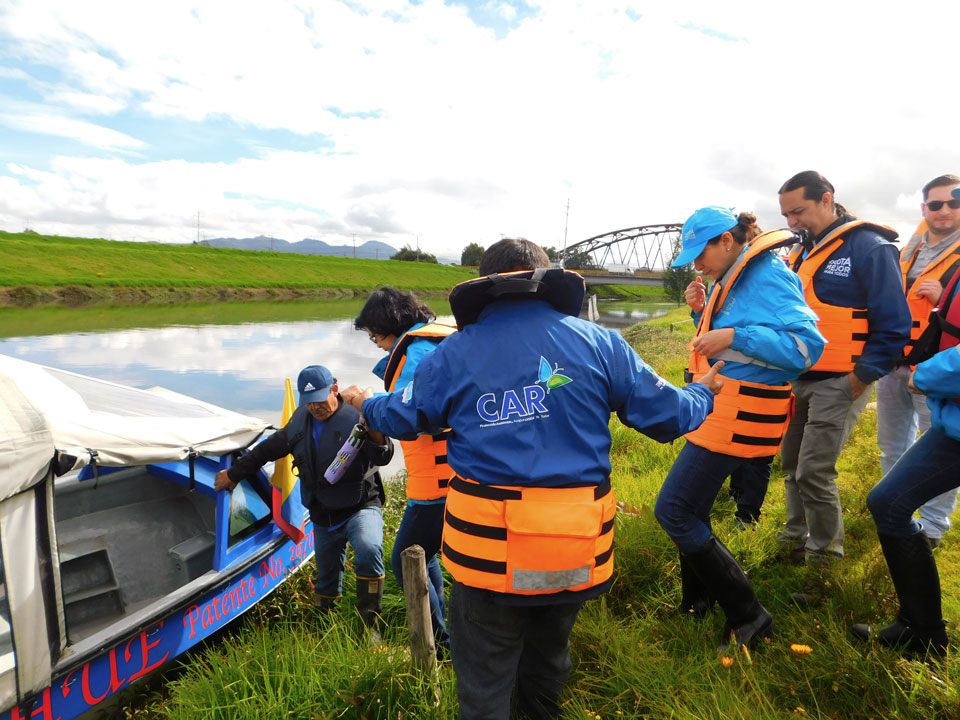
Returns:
point(98, 421)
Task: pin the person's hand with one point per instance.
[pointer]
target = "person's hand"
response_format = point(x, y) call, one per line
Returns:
point(695, 294)
point(857, 386)
point(223, 482)
point(714, 341)
point(712, 380)
point(352, 393)
point(913, 388)
point(930, 290)
point(355, 395)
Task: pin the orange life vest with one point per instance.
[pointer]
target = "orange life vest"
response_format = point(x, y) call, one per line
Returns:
point(846, 329)
point(529, 540)
point(748, 418)
point(941, 270)
point(428, 473)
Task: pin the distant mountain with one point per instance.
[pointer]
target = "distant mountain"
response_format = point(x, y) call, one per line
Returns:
point(372, 249)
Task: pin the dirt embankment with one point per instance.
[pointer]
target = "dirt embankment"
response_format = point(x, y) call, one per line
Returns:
point(81, 296)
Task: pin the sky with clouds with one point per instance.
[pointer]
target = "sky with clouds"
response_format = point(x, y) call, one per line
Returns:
point(451, 122)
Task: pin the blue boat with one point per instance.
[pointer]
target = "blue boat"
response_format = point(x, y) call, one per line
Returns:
point(116, 553)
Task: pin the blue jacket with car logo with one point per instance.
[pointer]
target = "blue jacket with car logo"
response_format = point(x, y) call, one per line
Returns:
point(528, 391)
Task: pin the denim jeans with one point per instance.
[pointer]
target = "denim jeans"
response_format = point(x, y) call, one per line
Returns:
point(509, 659)
point(423, 525)
point(900, 414)
point(748, 486)
point(930, 467)
point(683, 505)
point(364, 531)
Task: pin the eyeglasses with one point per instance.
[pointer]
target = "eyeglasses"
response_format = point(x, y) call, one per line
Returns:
point(935, 205)
point(374, 338)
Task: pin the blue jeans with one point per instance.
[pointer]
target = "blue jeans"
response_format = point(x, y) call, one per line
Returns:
point(364, 531)
point(423, 525)
point(900, 413)
point(683, 505)
point(748, 486)
point(930, 466)
point(508, 658)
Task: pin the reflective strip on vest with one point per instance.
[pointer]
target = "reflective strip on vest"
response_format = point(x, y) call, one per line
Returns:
point(428, 473)
point(846, 329)
point(920, 307)
point(528, 540)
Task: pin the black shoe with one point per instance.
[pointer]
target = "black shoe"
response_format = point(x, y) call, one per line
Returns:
point(747, 619)
point(695, 597)
point(919, 627)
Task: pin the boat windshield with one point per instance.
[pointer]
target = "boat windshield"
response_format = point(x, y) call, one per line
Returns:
point(248, 511)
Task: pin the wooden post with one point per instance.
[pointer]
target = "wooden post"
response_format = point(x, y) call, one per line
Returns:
point(417, 598)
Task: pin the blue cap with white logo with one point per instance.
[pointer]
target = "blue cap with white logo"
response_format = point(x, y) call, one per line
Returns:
point(700, 228)
point(314, 384)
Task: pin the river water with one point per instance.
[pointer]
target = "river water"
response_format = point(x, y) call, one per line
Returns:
point(232, 355)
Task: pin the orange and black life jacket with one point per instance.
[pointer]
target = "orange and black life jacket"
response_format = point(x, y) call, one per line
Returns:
point(529, 540)
point(428, 473)
point(748, 418)
point(942, 270)
point(526, 540)
point(846, 329)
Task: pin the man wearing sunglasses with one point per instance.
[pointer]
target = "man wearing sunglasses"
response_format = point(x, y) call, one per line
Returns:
point(927, 263)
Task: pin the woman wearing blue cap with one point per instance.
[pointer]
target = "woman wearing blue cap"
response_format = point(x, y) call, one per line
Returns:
point(757, 323)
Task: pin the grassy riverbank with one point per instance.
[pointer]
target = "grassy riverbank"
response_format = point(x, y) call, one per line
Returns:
point(52, 270)
point(633, 654)
point(37, 269)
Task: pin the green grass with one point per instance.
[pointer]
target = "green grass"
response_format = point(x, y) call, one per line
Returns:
point(633, 654)
point(28, 259)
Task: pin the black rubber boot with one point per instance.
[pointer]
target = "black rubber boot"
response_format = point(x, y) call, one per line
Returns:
point(919, 627)
point(747, 619)
point(369, 601)
point(695, 597)
point(325, 603)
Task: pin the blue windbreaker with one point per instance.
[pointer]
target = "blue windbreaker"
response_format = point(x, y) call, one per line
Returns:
point(528, 393)
point(771, 322)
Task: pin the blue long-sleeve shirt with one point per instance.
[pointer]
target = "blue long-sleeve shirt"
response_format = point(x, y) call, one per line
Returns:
point(528, 392)
point(772, 323)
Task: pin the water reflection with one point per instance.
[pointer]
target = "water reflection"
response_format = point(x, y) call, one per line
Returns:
point(240, 365)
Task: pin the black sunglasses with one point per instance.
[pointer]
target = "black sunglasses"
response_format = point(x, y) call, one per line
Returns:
point(935, 205)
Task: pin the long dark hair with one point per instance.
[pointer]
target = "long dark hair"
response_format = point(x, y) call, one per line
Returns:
point(389, 311)
point(814, 186)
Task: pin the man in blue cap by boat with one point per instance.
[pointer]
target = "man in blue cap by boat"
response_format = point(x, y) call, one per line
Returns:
point(348, 509)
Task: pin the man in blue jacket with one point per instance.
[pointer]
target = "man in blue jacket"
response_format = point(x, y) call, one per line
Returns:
point(851, 280)
point(527, 389)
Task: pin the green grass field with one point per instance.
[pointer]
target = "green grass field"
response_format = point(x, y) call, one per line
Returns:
point(29, 259)
point(39, 269)
point(634, 655)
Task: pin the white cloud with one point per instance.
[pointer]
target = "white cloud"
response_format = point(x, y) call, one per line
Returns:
point(441, 129)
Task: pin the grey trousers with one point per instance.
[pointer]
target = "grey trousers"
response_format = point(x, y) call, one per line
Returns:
point(826, 414)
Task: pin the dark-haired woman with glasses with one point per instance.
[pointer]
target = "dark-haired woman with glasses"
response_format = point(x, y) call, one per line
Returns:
point(398, 323)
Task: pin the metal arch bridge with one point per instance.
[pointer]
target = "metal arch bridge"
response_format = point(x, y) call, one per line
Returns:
point(645, 248)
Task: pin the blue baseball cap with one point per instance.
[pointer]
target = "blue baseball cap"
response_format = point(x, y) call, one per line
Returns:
point(956, 192)
point(701, 227)
point(314, 383)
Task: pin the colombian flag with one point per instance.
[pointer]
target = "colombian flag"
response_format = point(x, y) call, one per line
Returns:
point(288, 512)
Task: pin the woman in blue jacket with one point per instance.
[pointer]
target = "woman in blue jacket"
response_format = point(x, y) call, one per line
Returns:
point(403, 326)
point(757, 323)
point(930, 467)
